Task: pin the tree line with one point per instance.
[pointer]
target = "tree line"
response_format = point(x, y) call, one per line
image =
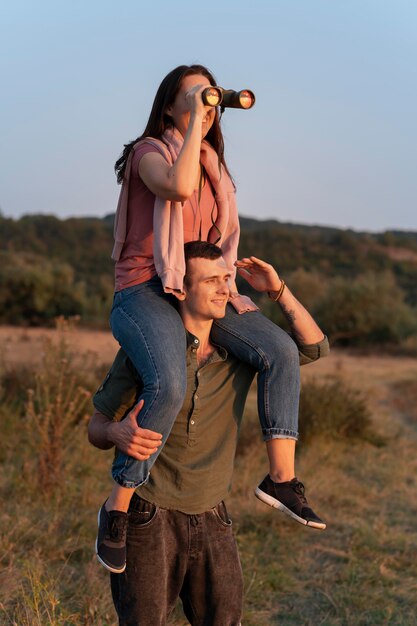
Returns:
point(361, 287)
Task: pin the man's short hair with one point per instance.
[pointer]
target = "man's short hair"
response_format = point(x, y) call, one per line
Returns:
point(201, 250)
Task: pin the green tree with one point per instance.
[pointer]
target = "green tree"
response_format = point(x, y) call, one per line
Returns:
point(34, 290)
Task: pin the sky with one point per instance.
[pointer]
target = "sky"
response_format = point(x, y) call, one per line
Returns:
point(331, 140)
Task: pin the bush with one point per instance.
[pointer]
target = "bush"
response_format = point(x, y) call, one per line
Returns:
point(365, 311)
point(336, 410)
point(330, 409)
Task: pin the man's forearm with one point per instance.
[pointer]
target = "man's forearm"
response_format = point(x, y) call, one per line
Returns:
point(126, 435)
point(303, 327)
point(99, 429)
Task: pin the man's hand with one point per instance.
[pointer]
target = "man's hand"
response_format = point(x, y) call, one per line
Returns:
point(131, 439)
point(260, 275)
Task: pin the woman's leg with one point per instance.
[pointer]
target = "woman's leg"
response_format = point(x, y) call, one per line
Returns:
point(256, 340)
point(149, 329)
point(253, 338)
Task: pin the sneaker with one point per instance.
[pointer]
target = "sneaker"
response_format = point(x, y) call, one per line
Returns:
point(111, 540)
point(289, 497)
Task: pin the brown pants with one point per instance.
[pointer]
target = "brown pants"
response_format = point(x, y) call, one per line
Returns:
point(170, 555)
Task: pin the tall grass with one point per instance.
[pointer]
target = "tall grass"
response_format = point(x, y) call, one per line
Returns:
point(55, 408)
point(49, 490)
point(360, 571)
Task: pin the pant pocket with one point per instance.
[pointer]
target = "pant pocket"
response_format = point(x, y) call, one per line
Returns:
point(142, 513)
point(221, 515)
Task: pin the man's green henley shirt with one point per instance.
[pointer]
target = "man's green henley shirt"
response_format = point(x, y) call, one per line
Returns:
point(193, 471)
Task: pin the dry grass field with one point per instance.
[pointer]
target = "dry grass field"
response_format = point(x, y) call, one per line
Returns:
point(361, 571)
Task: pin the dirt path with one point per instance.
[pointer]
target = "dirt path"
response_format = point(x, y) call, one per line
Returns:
point(25, 345)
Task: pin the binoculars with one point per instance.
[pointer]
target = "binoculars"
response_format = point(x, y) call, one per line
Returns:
point(217, 96)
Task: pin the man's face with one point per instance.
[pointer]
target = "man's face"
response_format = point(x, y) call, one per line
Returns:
point(206, 289)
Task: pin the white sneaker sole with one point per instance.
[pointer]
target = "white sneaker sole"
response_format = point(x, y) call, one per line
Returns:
point(276, 504)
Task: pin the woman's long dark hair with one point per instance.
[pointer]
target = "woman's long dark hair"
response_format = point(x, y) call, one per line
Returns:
point(159, 121)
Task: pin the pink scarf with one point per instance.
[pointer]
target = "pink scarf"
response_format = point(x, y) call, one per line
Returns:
point(168, 247)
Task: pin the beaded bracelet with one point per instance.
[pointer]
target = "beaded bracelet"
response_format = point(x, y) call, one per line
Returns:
point(279, 294)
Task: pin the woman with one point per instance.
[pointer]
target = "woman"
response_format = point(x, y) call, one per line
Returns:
point(176, 188)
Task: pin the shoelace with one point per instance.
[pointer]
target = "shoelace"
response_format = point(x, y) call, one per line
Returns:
point(117, 528)
point(300, 489)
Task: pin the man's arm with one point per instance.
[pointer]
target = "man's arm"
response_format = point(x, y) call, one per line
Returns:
point(126, 435)
point(112, 401)
point(98, 431)
point(263, 277)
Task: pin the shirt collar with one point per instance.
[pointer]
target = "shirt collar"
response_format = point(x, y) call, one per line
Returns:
point(194, 342)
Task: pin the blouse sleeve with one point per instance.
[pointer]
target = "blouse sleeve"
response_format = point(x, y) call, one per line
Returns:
point(139, 152)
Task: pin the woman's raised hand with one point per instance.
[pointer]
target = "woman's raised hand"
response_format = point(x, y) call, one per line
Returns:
point(260, 275)
point(195, 102)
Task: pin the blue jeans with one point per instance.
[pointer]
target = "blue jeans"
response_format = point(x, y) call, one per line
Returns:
point(145, 322)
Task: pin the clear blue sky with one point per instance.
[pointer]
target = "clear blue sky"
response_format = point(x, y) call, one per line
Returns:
point(332, 139)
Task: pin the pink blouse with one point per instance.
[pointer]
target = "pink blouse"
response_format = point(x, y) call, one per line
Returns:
point(136, 263)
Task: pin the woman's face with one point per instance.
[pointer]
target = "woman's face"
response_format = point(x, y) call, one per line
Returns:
point(180, 110)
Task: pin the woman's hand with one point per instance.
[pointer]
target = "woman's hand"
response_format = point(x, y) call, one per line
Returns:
point(193, 120)
point(131, 439)
point(195, 103)
point(260, 275)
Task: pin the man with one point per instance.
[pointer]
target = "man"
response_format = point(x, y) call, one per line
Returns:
point(179, 538)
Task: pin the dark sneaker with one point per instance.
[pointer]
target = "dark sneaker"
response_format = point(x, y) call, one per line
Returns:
point(289, 497)
point(111, 540)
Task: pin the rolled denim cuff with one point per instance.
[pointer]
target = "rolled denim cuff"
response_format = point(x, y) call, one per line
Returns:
point(128, 484)
point(279, 433)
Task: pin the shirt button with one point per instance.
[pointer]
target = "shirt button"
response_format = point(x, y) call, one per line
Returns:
point(196, 396)
point(198, 374)
point(192, 422)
